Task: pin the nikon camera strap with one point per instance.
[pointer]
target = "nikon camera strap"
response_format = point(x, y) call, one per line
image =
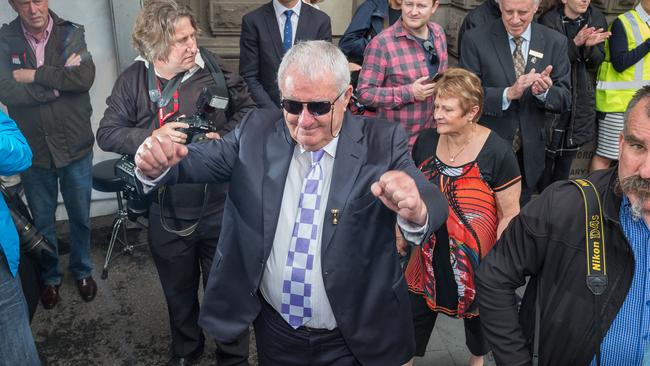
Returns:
point(596, 275)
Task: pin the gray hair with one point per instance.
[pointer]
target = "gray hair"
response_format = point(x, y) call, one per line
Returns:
point(153, 33)
point(640, 95)
point(313, 60)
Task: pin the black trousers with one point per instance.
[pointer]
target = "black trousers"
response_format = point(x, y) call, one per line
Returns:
point(278, 344)
point(182, 262)
point(557, 168)
point(424, 320)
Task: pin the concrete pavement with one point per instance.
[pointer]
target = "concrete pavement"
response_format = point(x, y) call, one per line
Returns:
point(127, 323)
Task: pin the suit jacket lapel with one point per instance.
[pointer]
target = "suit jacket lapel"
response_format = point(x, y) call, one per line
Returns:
point(350, 155)
point(273, 30)
point(502, 47)
point(278, 152)
point(536, 45)
point(304, 25)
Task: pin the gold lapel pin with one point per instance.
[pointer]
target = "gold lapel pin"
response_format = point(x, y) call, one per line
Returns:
point(335, 216)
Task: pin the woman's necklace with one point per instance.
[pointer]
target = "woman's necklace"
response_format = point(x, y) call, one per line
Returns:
point(452, 157)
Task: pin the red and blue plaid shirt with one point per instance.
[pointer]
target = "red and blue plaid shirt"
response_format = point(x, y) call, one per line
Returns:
point(393, 60)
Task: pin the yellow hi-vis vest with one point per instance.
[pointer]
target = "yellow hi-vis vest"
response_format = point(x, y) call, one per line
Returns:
point(614, 89)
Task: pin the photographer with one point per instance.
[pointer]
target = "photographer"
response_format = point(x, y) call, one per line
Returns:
point(17, 345)
point(165, 36)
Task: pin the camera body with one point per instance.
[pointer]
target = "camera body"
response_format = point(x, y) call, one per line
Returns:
point(197, 129)
point(199, 124)
point(137, 203)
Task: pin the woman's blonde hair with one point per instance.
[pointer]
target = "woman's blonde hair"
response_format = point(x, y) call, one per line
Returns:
point(153, 33)
point(464, 85)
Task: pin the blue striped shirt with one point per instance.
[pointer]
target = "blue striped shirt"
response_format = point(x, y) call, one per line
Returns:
point(629, 336)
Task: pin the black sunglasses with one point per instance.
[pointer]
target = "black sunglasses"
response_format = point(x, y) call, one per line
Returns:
point(315, 108)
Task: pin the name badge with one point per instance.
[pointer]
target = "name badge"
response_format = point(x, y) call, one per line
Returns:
point(15, 59)
point(536, 54)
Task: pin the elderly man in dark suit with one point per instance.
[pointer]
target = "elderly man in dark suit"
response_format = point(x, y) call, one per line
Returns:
point(307, 247)
point(265, 37)
point(526, 81)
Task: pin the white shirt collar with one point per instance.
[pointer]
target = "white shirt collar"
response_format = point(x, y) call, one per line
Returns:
point(525, 35)
point(198, 60)
point(280, 9)
point(642, 13)
point(330, 148)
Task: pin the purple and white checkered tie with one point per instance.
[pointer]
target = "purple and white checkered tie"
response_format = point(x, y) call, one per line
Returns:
point(296, 284)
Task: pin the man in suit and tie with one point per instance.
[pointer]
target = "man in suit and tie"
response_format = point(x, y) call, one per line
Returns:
point(525, 80)
point(266, 34)
point(307, 249)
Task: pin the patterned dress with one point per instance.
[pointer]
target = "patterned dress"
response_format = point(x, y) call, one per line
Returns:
point(442, 270)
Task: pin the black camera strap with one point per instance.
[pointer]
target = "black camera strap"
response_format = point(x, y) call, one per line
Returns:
point(596, 276)
point(190, 229)
point(158, 97)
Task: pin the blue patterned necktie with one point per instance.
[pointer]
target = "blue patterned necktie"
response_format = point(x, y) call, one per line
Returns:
point(288, 31)
point(296, 285)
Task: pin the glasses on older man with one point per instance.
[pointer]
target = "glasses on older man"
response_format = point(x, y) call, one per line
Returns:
point(314, 108)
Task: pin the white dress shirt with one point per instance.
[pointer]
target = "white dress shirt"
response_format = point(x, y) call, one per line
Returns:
point(281, 18)
point(271, 287)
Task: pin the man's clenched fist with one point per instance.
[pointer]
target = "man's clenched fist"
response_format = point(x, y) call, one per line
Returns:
point(157, 153)
point(397, 190)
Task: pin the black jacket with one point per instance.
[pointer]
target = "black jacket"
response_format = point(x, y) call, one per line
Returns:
point(547, 241)
point(57, 127)
point(260, 48)
point(130, 117)
point(580, 121)
point(483, 14)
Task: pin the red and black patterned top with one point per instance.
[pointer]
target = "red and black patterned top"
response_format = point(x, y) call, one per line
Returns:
point(442, 270)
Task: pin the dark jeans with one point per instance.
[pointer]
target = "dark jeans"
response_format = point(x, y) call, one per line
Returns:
point(16, 340)
point(182, 262)
point(42, 189)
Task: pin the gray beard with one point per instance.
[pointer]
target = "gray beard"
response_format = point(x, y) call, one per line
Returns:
point(639, 188)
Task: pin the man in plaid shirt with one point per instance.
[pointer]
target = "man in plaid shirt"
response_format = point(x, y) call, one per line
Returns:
point(399, 67)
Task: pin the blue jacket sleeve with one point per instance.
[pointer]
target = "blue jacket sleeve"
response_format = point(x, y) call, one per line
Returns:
point(15, 152)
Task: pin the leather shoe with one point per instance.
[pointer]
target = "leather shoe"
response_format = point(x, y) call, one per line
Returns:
point(87, 288)
point(182, 361)
point(50, 296)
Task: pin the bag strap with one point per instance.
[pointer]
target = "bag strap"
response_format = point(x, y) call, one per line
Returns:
point(596, 276)
point(219, 79)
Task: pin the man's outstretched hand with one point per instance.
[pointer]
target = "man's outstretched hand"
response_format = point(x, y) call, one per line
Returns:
point(157, 153)
point(397, 190)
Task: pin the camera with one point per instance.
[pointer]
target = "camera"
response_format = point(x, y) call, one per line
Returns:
point(199, 125)
point(32, 242)
point(137, 203)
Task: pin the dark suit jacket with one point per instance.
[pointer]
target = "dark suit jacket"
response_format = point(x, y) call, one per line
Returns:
point(496, 71)
point(261, 50)
point(361, 271)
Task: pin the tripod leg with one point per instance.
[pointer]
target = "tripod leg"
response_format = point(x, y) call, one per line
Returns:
point(116, 227)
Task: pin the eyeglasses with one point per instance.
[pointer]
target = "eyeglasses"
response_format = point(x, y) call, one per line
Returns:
point(314, 108)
